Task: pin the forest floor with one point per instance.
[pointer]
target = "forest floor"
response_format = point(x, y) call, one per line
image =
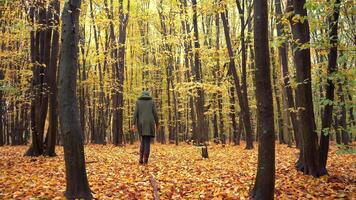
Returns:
point(179, 171)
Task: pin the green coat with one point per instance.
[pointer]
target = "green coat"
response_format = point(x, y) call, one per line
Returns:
point(145, 115)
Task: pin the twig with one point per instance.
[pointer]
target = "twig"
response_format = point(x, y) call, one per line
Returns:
point(155, 188)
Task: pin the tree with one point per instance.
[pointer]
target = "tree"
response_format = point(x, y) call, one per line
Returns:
point(232, 70)
point(243, 23)
point(53, 12)
point(98, 131)
point(332, 66)
point(119, 71)
point(283, 56)
point(265, 178)
point(2, 132)
point(201, 127)
point(39, 100)
point(76, 177)
point(308, 161)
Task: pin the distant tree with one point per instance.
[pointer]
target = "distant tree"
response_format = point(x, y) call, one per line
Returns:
point(201, 127)
point(283, 56)
point(119, 72)
point(265, 178)
point(44, 57)
point(76, 178)
point(2, 105)
point(232, 71)
point(241, 7)
point(39, 100)
point(53, 22)
point(332, 67)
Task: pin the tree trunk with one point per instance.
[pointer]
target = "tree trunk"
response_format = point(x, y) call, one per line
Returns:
point(265, 178)
point(332, 67)
point(283, 56)
point(2, 109)
point(243, 104)
point(342, 119)
point(308, 161)
point(39, 102)
point(241, 9)
point(52, 80)
point(76, 177)
point(278, 100)
point(202, 132)
point(123, 18)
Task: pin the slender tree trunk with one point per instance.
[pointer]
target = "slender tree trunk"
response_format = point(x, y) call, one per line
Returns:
point(76, 177)
point(232, 114)
point(241, 9)
point(278, 100)
point(99, 133)
point(120, 73)
point(52, 80)
point(243, 104)
point(39, 100)
point(283, 56)
point(342, 120)
point(2, 109)
point(202, 131)
point(332, 67)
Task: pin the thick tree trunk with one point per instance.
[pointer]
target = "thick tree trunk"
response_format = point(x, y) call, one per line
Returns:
point(265, 178)
point(76, 177)
point(332, 66)
point(309, 153)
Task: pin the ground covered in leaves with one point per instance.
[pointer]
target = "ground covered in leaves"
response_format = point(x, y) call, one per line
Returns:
point(179, 171)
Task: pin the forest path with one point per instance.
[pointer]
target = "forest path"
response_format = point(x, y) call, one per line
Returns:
point(179, 171)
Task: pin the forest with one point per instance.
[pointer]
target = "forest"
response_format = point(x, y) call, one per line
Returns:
point(250, 99)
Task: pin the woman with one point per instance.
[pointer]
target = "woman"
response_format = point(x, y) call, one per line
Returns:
point(146, 121)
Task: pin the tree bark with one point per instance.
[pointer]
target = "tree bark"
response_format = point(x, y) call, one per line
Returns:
point(332, 67)
point(308, 161)
point(265, 178)
point(243, 104)
point(283, 56)
point(52, 79)
point(342, 117)
point(202, 132)
point(76, 177)
point(118, 121)
point(39, 102)
point(2, 109)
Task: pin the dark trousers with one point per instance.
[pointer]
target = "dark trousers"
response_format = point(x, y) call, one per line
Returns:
point(145, 148)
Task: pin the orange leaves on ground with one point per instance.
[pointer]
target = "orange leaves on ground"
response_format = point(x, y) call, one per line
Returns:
point(179, 171)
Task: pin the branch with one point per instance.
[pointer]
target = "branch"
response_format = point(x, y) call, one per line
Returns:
point(155, 188)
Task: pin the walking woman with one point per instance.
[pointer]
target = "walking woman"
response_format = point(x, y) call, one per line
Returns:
point(145, 120)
